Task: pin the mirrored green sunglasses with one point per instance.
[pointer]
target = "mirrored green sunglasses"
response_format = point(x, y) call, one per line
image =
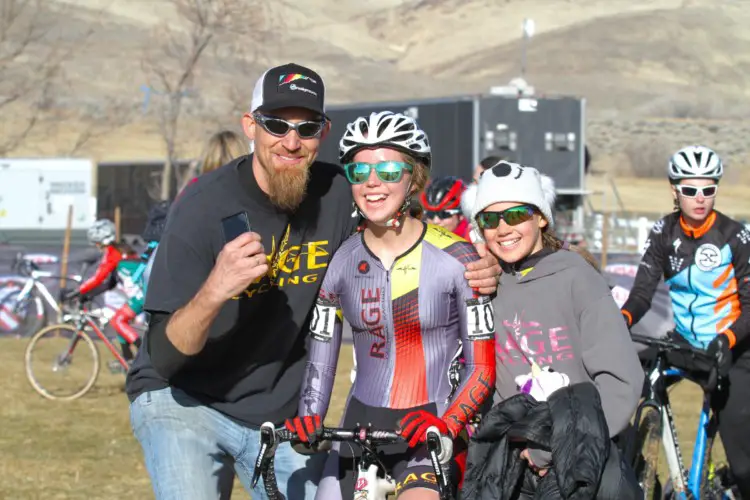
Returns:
point(512, 216)
point(387, 171)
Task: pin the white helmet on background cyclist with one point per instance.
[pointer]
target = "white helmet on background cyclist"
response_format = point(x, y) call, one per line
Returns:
point(385, 129)
point(101, 232)
point(695, 162)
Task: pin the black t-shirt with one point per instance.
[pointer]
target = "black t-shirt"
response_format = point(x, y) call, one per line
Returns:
point(252, 365)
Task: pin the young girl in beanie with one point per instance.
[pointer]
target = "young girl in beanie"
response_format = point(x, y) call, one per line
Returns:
point(556, 321)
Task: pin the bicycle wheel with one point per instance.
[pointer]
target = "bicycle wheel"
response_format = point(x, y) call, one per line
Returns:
point(647, 460)
point(50, 366)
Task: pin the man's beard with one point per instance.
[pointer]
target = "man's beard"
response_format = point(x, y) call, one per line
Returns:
point(287, 188)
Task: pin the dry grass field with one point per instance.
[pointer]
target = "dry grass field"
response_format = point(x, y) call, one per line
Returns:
point(85, 450)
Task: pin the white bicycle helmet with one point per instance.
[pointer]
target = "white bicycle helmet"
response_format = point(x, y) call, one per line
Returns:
point(102, 232)
point(385, 129)
point(695, 162)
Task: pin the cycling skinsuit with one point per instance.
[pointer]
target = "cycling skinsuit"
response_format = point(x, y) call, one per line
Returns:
point(408, 324)
point(708, 274)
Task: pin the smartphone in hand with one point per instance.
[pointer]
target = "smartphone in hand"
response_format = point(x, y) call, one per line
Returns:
point(235, 225)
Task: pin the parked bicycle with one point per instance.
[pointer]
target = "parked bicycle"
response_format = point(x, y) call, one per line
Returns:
point(25, 299)
point(655, 427)
point(373, 480)
point(65, 355)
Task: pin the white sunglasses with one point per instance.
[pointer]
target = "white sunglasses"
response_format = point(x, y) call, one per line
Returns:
point(692, 191)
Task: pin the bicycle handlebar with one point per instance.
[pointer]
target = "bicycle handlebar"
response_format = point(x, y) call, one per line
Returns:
point(666, 345)
point(438, 446)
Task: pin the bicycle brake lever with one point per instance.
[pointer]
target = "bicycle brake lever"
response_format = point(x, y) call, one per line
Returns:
point(440, 449)
point(267, 441)
point(441, 445)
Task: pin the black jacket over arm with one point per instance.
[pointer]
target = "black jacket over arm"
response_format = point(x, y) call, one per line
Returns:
point(570, 424)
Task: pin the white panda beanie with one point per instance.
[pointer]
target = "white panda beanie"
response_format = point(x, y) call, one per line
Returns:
point(468, 197)
point(511, 182)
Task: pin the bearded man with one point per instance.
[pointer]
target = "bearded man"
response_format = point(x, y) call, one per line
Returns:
point(225, 350)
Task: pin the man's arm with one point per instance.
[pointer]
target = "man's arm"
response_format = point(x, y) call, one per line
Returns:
point(483, 274)
point(180, 272)
point(650, 272)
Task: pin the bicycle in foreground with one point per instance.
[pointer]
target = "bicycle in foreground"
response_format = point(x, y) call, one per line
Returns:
point(655, 426)
point(373, 481)
point(62, 360)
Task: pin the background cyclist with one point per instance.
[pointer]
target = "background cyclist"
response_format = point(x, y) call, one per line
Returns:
point(704, 257)
point(441, 201)
point(102, 235)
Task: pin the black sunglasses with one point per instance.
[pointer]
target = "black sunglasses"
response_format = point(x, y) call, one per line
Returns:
point(278, 127)
point(440, 214)
point(512, 216)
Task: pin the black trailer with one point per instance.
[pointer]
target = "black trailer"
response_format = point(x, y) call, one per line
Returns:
point(544, 132)
point(449, 124)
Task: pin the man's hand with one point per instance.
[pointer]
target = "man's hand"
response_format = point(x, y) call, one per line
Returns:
point(719, 349)
point(483, 274)
point(239, 263)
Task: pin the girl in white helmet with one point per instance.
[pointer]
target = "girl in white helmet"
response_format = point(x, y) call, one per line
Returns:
point(400, 284)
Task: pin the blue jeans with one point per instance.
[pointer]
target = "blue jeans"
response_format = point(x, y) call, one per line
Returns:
point(190, 450)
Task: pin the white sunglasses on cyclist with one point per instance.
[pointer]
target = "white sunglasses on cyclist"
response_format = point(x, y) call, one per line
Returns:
point(692, 191)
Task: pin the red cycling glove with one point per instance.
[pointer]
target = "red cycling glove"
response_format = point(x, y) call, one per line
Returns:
point(415, 424)
point(308, 429)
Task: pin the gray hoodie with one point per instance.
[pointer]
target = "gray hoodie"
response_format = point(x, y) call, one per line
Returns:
point(560, 314)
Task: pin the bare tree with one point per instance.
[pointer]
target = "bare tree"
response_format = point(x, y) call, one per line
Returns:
point(99, 122)
point(30, 66)
point(174, 57)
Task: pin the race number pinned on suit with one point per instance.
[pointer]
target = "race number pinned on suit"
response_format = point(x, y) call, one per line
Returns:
point(323, 321)
point(480, 316)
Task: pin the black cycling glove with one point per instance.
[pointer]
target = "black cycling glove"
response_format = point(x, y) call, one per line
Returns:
point(719, 349)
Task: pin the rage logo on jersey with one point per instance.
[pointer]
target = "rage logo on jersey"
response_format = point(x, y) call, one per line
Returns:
point(290, 265)
point(519, 341)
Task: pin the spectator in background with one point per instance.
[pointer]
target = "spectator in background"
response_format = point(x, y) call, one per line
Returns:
point(470, 194)
point(485, 164)
point(442, 205)
point(221, 148)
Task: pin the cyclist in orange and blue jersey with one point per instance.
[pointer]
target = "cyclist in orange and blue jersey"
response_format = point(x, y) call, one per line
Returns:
point(704, 257)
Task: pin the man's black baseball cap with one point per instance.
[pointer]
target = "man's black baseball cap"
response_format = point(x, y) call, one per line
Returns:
point(289, 86)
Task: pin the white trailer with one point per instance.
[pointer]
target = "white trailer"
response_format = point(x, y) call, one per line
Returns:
point(35, 193)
